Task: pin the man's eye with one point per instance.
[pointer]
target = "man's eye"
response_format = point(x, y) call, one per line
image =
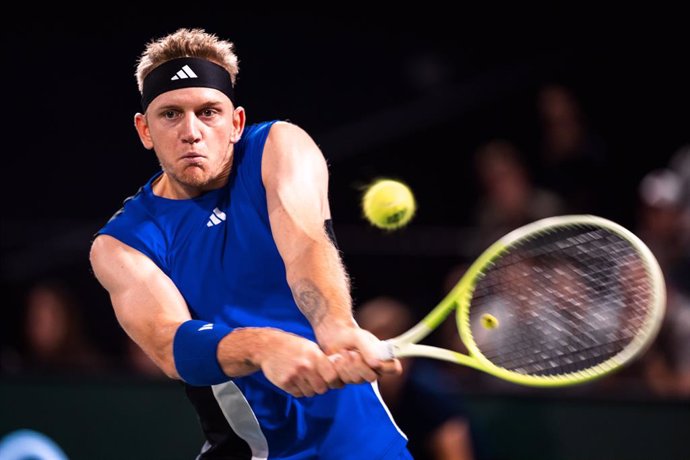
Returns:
point(208, 112)
point(170, 114)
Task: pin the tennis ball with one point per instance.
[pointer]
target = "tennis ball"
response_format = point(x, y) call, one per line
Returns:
point(488, 321)
point(388, 204)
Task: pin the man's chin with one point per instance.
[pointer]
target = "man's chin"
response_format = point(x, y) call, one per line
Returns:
point(194, 177)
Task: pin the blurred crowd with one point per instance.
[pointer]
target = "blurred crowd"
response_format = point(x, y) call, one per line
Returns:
point(55, 340)
point(567, 175)
point(570, 178)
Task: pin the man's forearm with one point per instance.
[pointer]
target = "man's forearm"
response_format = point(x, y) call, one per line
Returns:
point(310, 301)
point(321, 288)
point(238, 352)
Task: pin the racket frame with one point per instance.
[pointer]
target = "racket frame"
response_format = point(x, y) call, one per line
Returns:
point(459, 299)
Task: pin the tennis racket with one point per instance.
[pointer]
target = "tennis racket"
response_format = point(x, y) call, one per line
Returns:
point(560, 301)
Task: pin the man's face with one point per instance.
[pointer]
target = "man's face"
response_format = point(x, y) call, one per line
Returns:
point(192, 131)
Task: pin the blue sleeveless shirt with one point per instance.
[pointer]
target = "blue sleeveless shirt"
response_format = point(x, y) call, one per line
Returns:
point(219, 251)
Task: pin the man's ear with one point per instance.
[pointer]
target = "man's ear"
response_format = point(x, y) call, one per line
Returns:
point(142, 128)
point(238, 121)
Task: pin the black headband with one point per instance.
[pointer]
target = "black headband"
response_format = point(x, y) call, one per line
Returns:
point(186, 73)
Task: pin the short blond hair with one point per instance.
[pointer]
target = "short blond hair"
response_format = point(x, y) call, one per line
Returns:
point(187, 43)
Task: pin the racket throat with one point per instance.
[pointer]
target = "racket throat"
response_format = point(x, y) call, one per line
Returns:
point(428, 351)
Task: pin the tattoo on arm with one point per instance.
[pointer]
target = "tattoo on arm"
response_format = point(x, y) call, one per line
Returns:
point(310, 301)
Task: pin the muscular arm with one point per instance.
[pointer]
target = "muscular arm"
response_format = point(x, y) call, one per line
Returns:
point(146, 302)
point(296, 179)
point(150, 309)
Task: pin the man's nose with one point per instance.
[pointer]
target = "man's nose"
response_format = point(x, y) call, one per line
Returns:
point(191, 133)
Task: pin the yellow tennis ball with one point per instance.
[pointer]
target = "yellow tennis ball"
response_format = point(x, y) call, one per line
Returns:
point(488, 321)
point(388, 204)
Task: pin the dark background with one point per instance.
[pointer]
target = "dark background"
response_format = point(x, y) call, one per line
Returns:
point(411, 98)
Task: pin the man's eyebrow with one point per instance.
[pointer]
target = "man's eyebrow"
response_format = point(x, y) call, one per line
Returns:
point(211, 102)
point(208, 103)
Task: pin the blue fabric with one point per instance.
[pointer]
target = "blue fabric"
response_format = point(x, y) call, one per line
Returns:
point(219, 251)
point(195, 349)
point(405, 455)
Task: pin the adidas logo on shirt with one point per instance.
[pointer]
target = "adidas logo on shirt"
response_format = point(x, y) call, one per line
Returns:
point(184, 72)
point(216, 218)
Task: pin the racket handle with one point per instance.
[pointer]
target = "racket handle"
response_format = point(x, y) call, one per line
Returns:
point(384, 351)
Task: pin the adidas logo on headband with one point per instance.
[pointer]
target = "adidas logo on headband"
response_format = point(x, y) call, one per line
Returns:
point(184, 72)
point(178, 73)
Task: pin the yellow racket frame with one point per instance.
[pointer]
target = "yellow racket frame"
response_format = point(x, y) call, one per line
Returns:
point(460, 296)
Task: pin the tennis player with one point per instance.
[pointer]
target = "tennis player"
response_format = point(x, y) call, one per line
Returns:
point(223, 268)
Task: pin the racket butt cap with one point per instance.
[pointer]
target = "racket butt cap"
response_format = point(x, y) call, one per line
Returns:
point(384, 351)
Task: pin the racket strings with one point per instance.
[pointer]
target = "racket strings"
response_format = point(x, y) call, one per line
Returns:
point(565, 300)
point(570, 359)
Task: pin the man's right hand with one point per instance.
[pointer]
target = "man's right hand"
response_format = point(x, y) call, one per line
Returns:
point(292, 363)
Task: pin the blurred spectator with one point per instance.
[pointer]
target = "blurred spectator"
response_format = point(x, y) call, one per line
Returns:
point(663, 226)
point(666, 366)
point(54, 336)
point(573, 159)
point(509, 198)
point(435, 425)
point(662, 222)
point(680, 164)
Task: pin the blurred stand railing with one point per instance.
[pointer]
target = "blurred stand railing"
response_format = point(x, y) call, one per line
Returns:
point(118, 418)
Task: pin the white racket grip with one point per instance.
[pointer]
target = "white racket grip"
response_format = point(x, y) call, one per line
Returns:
point(385, 351)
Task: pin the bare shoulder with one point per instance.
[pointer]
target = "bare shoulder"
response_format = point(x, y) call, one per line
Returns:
point(284, 131)
point(112, 260)
point(290, 148)
point(105, 247)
